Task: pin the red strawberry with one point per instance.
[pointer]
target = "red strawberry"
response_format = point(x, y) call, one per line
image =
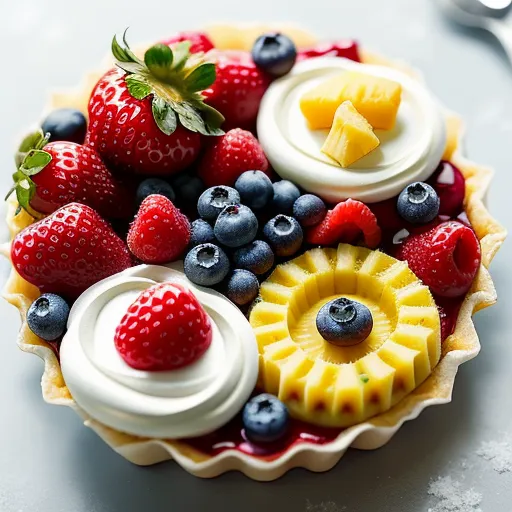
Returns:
point(450, 185)
point(343, 48)
point(238, 88)
point(199, 41)
point(229, 156)
point(64, 172)
point(344, 223)
point(68, 251)
point(147, 116)
point(446, 258)
point(160, 232)
point(164, 329)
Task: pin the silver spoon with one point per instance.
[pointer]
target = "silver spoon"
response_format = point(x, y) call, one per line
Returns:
point(484, 14)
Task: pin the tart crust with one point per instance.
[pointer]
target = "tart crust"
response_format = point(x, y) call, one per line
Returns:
point(458, 348)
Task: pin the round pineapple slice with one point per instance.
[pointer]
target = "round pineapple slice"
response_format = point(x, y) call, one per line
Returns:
point(335, 386)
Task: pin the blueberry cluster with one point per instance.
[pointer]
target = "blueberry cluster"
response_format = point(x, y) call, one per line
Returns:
point(242, 229)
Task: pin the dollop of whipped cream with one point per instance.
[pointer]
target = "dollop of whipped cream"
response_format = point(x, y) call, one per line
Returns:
point(409, 152)
point(188, 402)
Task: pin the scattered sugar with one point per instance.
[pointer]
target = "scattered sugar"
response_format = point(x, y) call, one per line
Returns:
point(326, 506)
point(453, 497)
point(498, 453)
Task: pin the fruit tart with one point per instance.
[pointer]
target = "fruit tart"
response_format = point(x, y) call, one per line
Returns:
point(242, 248)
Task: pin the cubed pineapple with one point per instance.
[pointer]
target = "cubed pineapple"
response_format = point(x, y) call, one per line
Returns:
point(351, 136)
point(377, 99)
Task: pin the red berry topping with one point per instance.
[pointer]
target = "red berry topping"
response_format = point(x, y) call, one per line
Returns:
point(231, 155)
point(387, 215)
point(238, 89)
point(76, 173)
point(344, 223)
point(68, 251)
point(446, 258)
point(449, 183)
point(199, 41)
point(448, 313)
point(123, 131)
point(343, 48)
point(160, 232)
point(164, 329)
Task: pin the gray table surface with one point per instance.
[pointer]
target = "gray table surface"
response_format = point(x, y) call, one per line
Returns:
point(50, 462)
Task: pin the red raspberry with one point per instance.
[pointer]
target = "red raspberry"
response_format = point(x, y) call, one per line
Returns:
point(68, 251)
point(446, 258)
point(199, 41)
point(238, 88)
point(160, 232)
point(344, 223)
point(343, 48)
point(449, 183)
point(231, 155)
point(164, 329)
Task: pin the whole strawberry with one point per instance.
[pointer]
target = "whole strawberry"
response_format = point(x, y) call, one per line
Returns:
point(231, 155)
point(160, 232)
point(199, 41)
point(68, 251)
point(55, 174)
point(238, 88)
point(446, 258)
point(166, 328)
point(147, 116)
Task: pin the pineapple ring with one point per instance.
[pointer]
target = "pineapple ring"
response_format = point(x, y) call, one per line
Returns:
point(336, 386)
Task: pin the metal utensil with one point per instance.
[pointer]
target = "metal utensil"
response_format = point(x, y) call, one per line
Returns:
point(484, 14)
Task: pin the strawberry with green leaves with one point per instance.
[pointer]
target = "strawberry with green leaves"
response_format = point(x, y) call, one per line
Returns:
point(51, 175)
point(147, 116)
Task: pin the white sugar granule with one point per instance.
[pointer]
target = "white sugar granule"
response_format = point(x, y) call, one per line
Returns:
point(326, 506)
point(453, 497)
point(498, 453)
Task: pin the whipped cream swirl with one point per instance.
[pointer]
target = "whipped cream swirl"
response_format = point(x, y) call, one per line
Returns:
point(409, 152)
point(187, 402)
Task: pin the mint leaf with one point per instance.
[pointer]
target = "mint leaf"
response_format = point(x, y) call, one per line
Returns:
point(364, 378)
point(158, 59)
point(201, 78)
point(24, 192)
point(164, 115)
point(35, 161)
point(138, 86)
point(181, 54)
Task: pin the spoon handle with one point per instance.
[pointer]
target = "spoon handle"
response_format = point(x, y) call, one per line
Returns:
point(503, 33)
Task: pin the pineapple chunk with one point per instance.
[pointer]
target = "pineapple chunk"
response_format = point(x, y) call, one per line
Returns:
point(377, 99)
point(351, 136)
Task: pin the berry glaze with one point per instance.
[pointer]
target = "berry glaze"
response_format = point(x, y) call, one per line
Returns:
point(449, 183)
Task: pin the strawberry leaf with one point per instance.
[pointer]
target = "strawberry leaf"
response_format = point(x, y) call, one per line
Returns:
point(201, 77)
point(213, 119)
point(164, 115)
point(181, 54)
point(25, 191)
point(190, 118)
point(35, 140)
point(138, 87)
point(119, 52)
point(35, 161)
point(159, 59)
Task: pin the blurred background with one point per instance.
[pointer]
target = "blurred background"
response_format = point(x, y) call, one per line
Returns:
point(50, 463)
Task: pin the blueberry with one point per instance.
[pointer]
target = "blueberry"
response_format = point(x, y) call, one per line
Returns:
point(284, 235)
point(215, 199)
point(274, 53)
point(242, 287)
point(206, 265)
point(66, 124)
point(257, 257)
point(188, 188)
point(309, 210)
point(47, 316)
point(201, 233)
point(236, 226)
point(154, 186)
point(418, 203)
point(255, 189)
point(344, 322)
point(285, 195)
point(265, 419)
